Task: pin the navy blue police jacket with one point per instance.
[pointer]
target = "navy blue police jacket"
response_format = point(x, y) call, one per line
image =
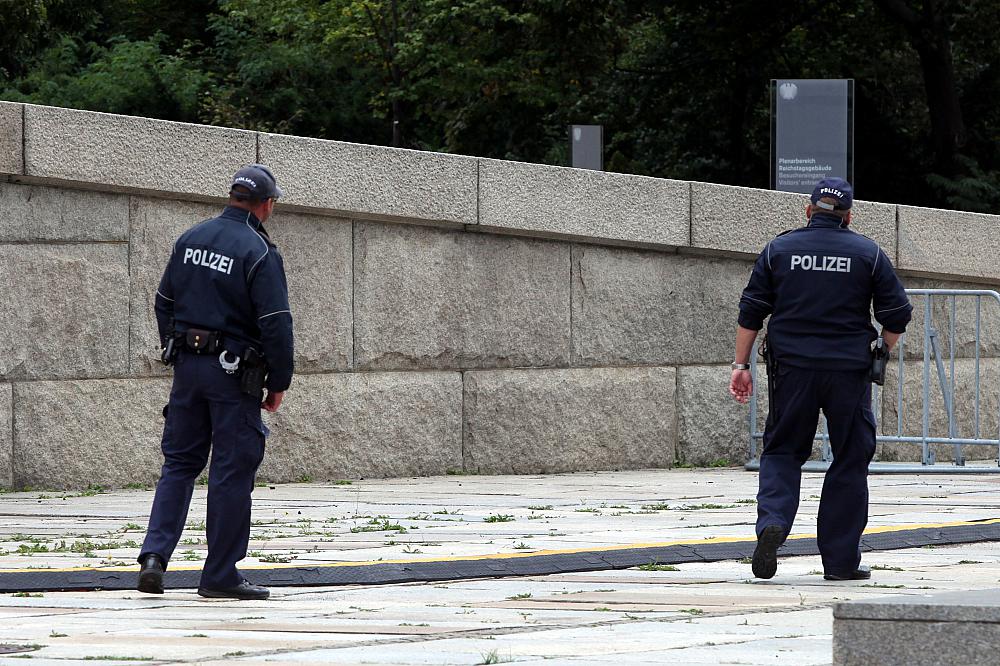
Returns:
point(226, 275)
point(821, 284)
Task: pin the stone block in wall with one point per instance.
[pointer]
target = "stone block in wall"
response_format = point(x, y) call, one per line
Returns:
point(70, 434)
point(65, 311)
point(711, 426)
point(362, 425)
point(129, 152)
point(372, 181)
point(318, 264)
point(38, 213)
point(428, 298)
point(317, 255)
point(964, 408)
point(644, 307)
point(582, 203)
point(6, 436)
point(11, 138)
point(156, 224)
point(544, 421)
point(742, 219)
point(949, 242)
point(964, 320)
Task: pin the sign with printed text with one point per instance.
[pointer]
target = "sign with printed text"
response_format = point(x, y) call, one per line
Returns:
point(586, 146)
point(812, 132)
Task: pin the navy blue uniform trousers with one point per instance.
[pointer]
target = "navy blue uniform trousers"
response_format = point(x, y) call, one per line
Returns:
point(207, 412)
point(845, 398)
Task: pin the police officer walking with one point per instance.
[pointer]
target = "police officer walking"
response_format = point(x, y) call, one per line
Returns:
point(226, 327)
point(820, 285)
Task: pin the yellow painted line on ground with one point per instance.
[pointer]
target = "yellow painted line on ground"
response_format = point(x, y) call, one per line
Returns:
point(511, 556)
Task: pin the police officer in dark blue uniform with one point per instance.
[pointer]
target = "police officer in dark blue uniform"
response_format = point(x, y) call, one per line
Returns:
point(820, 285)
point(224, 320)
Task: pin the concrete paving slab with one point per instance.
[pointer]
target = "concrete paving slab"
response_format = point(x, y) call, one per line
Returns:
point(653, 616)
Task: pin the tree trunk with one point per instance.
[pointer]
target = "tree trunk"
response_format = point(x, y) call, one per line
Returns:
point(929, 35)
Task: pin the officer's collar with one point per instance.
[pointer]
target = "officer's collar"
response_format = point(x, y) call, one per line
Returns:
point(825, 221)
point(241, 215)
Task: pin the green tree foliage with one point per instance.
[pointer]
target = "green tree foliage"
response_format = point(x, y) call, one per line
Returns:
point(681, 87)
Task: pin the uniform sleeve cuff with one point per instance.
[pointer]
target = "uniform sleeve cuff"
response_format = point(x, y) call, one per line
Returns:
point(749, 322)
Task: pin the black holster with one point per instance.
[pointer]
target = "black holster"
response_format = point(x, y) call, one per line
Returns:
point(253, 372)
point(771, 366)
point(169, 352)
point(880, 359)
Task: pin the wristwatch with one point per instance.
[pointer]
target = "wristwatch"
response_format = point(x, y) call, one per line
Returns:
point(740, 366)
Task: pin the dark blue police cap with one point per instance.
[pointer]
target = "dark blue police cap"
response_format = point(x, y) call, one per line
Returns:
point(259, 182)
point(837, 189)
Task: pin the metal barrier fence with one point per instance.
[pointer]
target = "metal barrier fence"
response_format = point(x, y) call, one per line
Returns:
point(946, 381)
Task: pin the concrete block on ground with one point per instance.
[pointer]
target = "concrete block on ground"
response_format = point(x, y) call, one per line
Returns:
point(70, 434)
point(643, 307)
point(428, 298)
point(949, 242)
point(38, 213)
point(546, 421)
point(918, 630)
point(743, 219)
point(11, 138)
point(317, 254)
point(364, 425)
point(129, 152)
point(6, 435)
point(713, 429)
point(581, 203)
point(65, 311)
point(372, 181)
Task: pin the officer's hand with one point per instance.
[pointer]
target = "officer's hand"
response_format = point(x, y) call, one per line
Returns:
point(272, 401)
point(741, 385)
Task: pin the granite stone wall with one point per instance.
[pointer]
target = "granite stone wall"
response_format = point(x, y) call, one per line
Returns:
point(452, 314)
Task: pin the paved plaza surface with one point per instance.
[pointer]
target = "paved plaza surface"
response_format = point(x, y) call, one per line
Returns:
point(660, 614)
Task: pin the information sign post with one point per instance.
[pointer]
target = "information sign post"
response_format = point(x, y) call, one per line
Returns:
point(812, 132)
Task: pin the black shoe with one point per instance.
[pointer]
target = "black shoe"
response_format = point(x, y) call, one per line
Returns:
point(765, 556)
point(861, 573)
point(151, 575)
point(245, 590)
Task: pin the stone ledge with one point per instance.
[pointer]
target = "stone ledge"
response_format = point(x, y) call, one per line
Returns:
point(744, 219)
point(580, 203)
point(372, 181)
point(966, 606)
point(949, 242)
point(11, 138)
point(132, 153)
point(920, 630)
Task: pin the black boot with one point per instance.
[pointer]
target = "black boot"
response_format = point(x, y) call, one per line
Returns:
point(861, 573)
point(151, 574)
point(765, 556)
point(245, 590)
